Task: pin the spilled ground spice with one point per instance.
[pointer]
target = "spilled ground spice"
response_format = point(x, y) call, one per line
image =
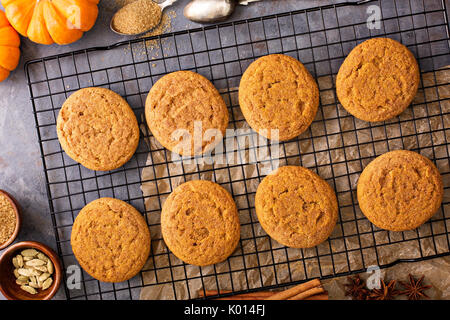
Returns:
point(163, 27)
point(137, 17)
point(7, 219)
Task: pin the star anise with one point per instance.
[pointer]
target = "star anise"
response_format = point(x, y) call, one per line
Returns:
point(356, 288)
point(386, 292)
point(414, 290)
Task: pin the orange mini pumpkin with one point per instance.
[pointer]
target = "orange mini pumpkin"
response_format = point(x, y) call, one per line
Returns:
point(51, 21)
point(9, 47)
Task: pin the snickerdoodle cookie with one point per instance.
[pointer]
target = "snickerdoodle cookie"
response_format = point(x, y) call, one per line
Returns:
point(97, 128)
point(200, 223)
point(400, 190)
point(378, 80)
point(277, 92)
point(296, 207)
point(186, 113)
point(110, 240)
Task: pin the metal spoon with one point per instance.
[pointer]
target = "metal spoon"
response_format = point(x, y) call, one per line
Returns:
point(162, 5)
point(207, 11)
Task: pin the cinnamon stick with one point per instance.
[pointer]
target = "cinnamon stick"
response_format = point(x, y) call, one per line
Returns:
point(311, 290)
point(242, 297)
point(322, 296)
point(260, 294)
point(306, 294)
point(286, 294)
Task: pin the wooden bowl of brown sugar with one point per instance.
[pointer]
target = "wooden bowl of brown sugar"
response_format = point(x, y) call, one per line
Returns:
point(10, 219)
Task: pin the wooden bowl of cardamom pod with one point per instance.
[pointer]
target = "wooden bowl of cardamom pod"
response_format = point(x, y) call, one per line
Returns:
point(29, 271)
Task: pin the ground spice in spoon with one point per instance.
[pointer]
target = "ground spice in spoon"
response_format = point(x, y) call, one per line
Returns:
point(137, 17)
point(7, 219)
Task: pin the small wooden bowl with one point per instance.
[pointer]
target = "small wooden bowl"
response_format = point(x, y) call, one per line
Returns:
point(16, 207)
point(8, 286)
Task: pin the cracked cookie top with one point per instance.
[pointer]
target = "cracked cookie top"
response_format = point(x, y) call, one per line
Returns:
point(378, 80)
point(296, 207)
point(200, 223)
point(400, 190)
point(277, 92)
point(97, 128)
point(110, 239)
point(186, 113)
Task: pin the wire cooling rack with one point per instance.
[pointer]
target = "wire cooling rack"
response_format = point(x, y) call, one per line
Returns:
point(337, 146)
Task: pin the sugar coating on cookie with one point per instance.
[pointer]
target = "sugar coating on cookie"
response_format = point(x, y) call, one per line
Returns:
point(277, 92)
point(200, 223)
point(378, 80)
point(296, 207)
point(400, 190)
point(186, 113)
point(110, 239)
point(97, 128)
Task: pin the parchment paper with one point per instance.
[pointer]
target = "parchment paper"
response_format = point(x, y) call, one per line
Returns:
point(269, 263)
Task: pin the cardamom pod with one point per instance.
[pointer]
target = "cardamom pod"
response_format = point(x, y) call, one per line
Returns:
point(19, 260)
point(29, 253)
point(24, 272)
point(41, 268)
point(28, 289)
point(50, 267)
point(15, 263)
point(35, 262)
point(21, 282)
point(23, 278)
point(44, 276)
point(33, 282)
point(42, 256)
point(47, 283)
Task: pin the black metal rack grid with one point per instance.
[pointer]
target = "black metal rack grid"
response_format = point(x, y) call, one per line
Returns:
point(320, 38)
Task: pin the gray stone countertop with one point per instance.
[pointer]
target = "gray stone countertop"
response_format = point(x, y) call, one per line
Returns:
point(21, 168)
